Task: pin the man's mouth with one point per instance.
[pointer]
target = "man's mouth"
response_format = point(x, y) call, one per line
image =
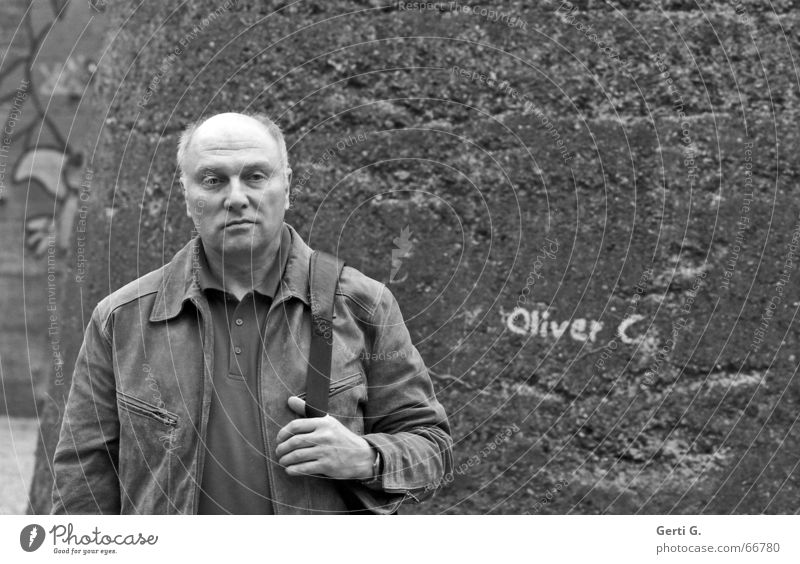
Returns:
point(235, 222)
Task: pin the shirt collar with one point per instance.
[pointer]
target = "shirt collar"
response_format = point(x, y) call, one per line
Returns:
point(180, 276)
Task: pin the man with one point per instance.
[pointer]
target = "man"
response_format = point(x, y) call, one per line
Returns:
point(187, 392)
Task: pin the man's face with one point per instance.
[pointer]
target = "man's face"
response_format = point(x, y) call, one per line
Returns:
point(236, 185)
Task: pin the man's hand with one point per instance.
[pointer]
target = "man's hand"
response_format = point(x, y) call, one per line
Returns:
point(323, 446)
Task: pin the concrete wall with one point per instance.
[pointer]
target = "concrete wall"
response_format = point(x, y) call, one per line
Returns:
point(528, 188)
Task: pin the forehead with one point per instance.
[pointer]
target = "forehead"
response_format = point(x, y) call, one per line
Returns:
point(232, 142)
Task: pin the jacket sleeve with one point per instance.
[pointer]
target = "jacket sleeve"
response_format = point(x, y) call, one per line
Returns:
point(403, 419)
point(86, 457)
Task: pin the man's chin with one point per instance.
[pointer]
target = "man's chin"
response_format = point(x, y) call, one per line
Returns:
point(243, 246)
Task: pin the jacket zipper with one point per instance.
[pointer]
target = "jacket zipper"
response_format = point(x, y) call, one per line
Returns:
point(268, 453)
point(207, 338)
point(138, 406)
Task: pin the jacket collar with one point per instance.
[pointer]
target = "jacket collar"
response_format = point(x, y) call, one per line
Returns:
point(180, 281)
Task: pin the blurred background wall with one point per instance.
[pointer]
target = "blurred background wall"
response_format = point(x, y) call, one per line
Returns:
point(48, 51)
point(587, 212)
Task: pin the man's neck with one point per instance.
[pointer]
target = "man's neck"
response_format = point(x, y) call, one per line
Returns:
point(240, 273)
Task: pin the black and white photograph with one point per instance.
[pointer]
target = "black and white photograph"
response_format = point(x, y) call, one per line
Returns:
point(536, 260)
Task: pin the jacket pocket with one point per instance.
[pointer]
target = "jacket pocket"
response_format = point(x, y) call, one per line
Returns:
point(341, 384)
point(148, 441)
point(140, 407)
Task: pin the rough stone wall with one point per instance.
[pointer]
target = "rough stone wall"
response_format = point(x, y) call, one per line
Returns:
point(527, 188)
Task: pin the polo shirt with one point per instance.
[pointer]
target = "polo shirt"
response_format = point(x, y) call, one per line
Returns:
point(234, 477)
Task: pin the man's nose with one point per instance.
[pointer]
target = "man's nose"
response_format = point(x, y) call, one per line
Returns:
point(237, 198)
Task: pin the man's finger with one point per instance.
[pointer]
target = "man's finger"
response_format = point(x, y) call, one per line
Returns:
point(305, 440)
point(298, 427)
point(305, 469)
point(299, 456)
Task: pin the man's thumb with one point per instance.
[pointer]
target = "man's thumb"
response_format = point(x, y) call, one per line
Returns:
point(297, 405)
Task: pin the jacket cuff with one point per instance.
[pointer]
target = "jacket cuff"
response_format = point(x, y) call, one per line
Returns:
point(376, 481)
point(391, 479)
point(377, 502)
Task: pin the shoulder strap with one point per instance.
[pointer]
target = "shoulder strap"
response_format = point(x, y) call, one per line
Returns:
point(323, 275)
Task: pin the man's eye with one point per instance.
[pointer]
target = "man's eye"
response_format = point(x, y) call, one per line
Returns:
point(258, 176)
point(210, 180)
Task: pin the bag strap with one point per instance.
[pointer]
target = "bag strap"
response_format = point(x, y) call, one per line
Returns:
point(324, 270)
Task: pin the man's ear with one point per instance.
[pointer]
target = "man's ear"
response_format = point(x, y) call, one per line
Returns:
point(186, 198)
point(288, 188)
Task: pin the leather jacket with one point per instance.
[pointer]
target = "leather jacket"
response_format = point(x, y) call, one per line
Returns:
point(138, 406)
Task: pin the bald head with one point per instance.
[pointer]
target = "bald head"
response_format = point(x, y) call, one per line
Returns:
point(230, 129)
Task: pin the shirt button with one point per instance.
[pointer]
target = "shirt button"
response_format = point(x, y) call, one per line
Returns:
point(237, 350)
point(239, 321)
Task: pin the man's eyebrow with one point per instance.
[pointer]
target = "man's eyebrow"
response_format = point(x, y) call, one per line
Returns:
point(203, 171)
point(224, 169)
point(261, 165)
